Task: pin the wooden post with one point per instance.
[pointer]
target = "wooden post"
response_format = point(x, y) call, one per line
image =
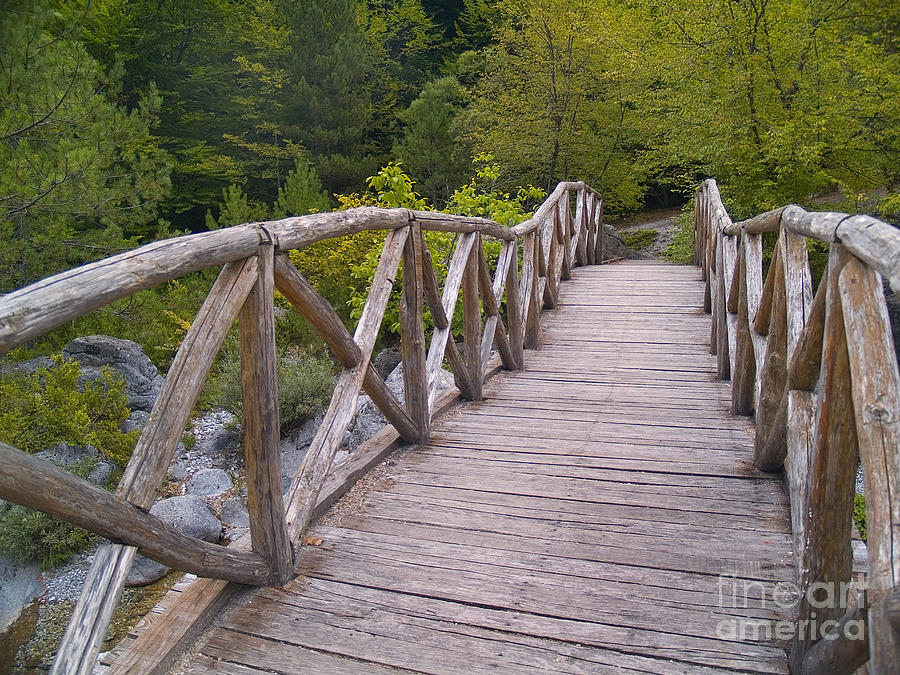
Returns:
point(441, 340)
point(565, 238)
point(743, 377)
point(876, 404)
point(827, 559)
point(262, 427)
point(530, 302)
point(301, 499)
point(770, 457)
point(472, 321)
point(514, 310)
point(412, 335)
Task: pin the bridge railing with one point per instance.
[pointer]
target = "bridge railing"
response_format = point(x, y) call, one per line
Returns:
point(818, 369)
point(535, 256)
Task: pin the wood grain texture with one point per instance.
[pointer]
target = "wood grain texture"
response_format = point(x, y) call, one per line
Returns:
point(301, 498)
point(42, 306)
point(876, 403)
point(553, 524)
point(827, 559)
point(412, 335)
point(261, 422)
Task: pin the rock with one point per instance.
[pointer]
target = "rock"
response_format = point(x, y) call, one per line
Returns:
point(27, 367)
point(614, 247)
point(188, 514)
point(209, 483)
point(142, 381)
point(145, 571)
point(19, 587)
point(294, 447)
point(385, 361)
point(67, 456)
point(234, 513)
point(136, 420)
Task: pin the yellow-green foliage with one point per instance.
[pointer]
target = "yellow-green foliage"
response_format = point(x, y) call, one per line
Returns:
point(50, 407)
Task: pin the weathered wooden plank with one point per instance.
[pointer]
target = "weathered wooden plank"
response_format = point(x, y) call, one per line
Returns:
point(448, 222)
point(261, 422)
point(876, 406)
point(412, 335)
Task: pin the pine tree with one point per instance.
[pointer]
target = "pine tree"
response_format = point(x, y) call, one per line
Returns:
point(328, 99)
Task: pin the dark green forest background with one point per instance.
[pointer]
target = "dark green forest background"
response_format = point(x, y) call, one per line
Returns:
point(127, 120)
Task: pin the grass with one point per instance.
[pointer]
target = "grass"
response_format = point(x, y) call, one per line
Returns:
point(640, 239)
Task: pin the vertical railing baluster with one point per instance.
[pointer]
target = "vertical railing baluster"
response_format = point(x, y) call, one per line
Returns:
point(472, 321)
point(412, 334)
point(262, 429)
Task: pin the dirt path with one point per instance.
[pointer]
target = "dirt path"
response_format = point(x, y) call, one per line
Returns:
point(663, 221)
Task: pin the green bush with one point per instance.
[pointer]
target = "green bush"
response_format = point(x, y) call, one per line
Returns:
point(640, 239)
point(49, 407)
point(859, 515)
point(681, 249)
point(304, 385)
point(33, 535)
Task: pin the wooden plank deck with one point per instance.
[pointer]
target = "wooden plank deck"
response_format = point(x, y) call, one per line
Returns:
point(596, 513)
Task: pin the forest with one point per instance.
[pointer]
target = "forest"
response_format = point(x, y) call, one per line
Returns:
point(126, 121)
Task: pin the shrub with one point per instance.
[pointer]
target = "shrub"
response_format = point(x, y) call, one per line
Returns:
point(50, 407)
point(640, 239)
point(859, 515)
point(34, 535)
point(304, 385)
point(681, 249)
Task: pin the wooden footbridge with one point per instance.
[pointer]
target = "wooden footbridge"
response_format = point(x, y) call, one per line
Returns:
point(595, 496)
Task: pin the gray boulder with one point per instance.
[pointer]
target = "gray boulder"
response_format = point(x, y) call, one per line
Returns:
point(67, 456)
point(385, 361)
point(614, 246)
point(209, 483)
point(28, 367)
point(234, 513)
point(19, 587)
point(188, 514)
point(294, 447)
point(142, 381)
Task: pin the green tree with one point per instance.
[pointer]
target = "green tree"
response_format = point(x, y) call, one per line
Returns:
point(780, 99)
point(75, 168)
point(432, 148)
point(561, 96)
point(328, 98)
point(302, 193)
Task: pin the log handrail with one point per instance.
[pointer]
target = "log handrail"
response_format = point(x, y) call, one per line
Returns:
point(818, 370)
point(510, 297)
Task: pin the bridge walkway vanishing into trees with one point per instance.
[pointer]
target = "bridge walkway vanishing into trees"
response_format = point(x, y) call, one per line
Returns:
point(606, 504)
point(598, 509)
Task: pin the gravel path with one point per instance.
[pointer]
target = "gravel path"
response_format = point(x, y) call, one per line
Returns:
point(664, 221)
